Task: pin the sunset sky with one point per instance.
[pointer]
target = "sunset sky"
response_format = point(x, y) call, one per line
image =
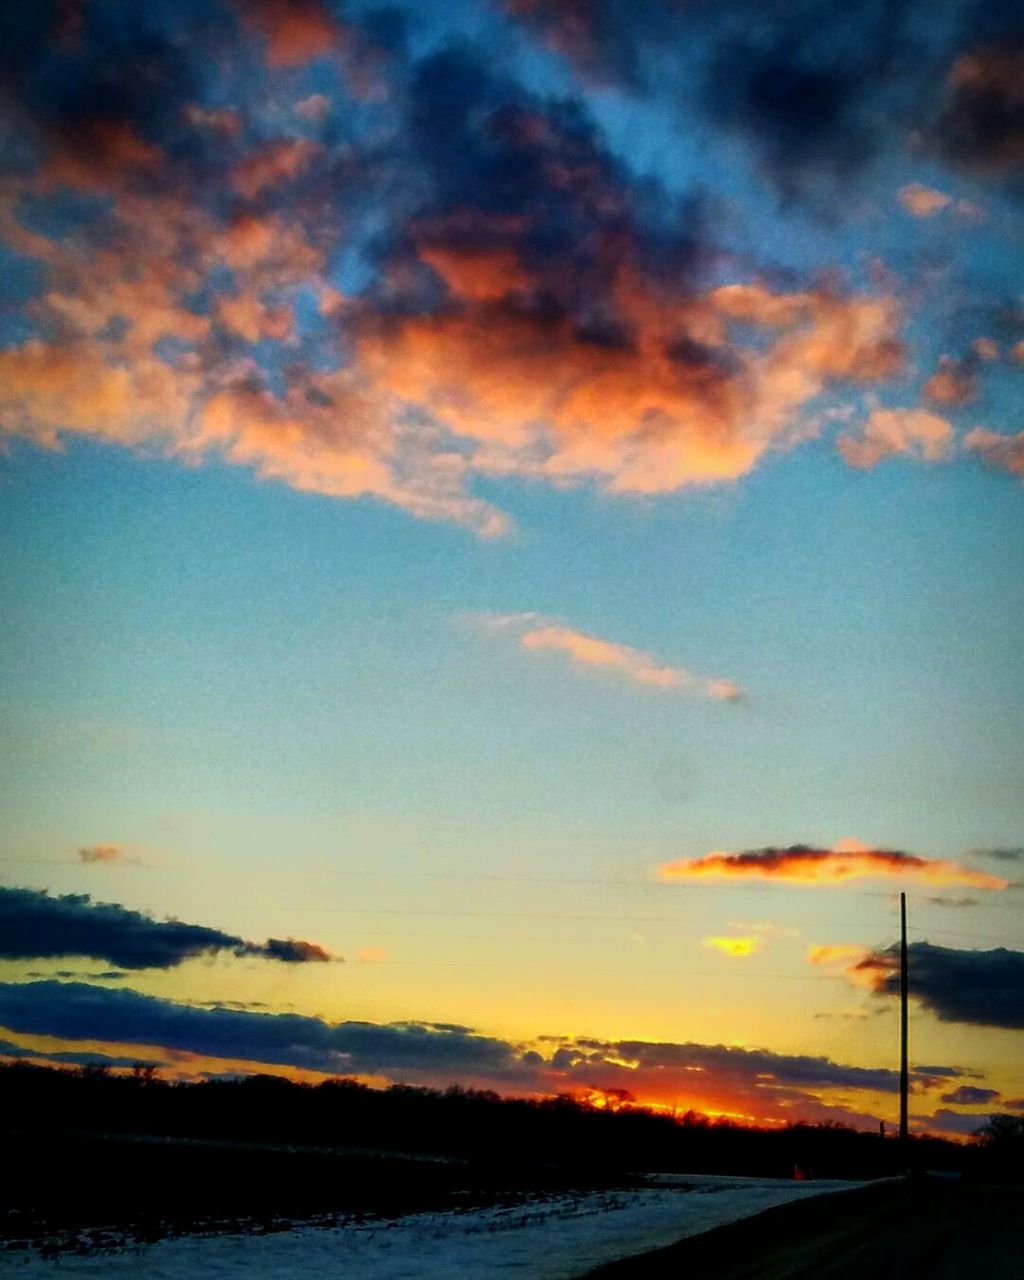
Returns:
point(512, 545)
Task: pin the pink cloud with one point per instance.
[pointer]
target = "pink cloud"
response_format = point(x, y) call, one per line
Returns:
point(891, 432)
point(1005, 453)
point(922, 201)
point(536, 634)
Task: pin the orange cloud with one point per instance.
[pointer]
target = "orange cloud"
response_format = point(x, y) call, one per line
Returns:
point(104, 151)
point(985, 348)
point(493, 384)
point(536, 633)
point(801, 864)
point(103, 853)
point(889, 432)
point(478, 274)
point(680, 404)
point(955, 382)
point(923, 202)
point(738, 948)
point(270, 165)
point(296, 31)
point(1006, 453)
point(843, 953)
point(252, 320)
point(54, 389)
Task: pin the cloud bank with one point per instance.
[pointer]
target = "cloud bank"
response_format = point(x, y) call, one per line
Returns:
point(746, 1081)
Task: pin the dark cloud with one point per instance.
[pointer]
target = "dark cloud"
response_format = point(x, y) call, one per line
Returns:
point(291, 951)
point(948, 1073)
point(494, 166)
point(34, 925)
point(76, 1011)
point(981, 126)
point(1002, 855)
point(806, 88)
point(103, 975)
point(982, 988)
point(968, 1095)
point(437, 1052)
point(954, 1122)
point(802, 82)
point(108, 91)
point(299, 282)
point(756, 1068)
point(817, 89)
point(70, 1057)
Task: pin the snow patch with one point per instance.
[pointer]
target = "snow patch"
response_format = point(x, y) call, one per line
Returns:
point(554, 1238)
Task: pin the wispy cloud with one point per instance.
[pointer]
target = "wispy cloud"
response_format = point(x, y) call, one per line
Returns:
point(1005, 854)
point(850, 860)
point(842, 953)
point(536, 634)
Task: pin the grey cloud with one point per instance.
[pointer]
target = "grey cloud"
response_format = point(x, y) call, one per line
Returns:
point(981, 988)
point(968, 1095)
point(36, 926)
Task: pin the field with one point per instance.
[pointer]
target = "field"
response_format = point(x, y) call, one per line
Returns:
point(183, 1210)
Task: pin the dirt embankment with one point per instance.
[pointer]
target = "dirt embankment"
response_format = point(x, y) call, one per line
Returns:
point(927, 1230)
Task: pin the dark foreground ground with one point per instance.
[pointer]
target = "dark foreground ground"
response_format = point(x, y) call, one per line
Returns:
point(929, 1230)
point(81, 1192)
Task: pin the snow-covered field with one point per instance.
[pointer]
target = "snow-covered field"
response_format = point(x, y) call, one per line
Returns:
point(549, 1239)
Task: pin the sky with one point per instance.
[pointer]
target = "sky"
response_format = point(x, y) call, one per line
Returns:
point(512, 553)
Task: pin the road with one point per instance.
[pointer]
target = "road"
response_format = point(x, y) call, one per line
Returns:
point(928, 1230)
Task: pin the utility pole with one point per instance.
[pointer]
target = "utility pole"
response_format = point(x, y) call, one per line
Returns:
point(904, 1072)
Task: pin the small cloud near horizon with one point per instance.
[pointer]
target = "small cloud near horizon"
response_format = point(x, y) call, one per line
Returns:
point(848, 860)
